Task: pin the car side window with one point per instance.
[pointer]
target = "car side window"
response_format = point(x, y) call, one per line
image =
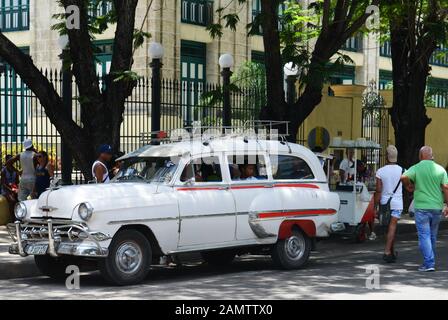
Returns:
point(207, 169)
point(247, 168)
point(290, 168)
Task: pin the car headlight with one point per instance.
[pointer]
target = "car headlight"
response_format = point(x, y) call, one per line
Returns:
point(20, 210)
point(85, 211)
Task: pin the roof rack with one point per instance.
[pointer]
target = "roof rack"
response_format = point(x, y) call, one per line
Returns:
point(253, 129)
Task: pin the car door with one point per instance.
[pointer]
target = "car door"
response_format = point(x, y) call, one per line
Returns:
point(206, 205)
point(252, 194)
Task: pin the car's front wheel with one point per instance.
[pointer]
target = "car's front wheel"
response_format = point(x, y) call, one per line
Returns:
point(292, 252)
point(129, 259)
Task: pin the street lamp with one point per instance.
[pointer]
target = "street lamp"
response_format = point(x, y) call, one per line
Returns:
point(291, 72)
point(226, 62)
point(156, 52)
point(66, 154)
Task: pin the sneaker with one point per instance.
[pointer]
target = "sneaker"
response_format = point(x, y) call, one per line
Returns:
point(372, 236)
point(389, 258)
point(426, 269)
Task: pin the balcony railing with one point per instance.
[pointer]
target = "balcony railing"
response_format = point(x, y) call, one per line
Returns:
point(198, 12)
point(16, 17)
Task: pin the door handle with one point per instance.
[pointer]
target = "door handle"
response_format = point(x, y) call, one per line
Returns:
point(226, 188)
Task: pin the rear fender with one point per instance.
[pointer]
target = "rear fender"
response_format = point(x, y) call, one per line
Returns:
point(307, 226)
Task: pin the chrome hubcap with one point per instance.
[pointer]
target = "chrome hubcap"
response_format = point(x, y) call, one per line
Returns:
point(295, 247)
point(128, 257)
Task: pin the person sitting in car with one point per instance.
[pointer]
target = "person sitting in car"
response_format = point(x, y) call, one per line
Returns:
point(248, 172)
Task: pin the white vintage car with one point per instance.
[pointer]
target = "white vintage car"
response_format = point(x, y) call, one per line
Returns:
point(221, 197)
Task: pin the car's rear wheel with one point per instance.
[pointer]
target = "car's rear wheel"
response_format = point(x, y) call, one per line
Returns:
point(218, 257)
point(292, 252)
point(55, 267)
point(129, 259)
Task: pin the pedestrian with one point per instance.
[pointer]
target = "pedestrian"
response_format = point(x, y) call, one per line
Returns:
point(28, 177)
point(44, 174)
point(100, 171)
point(429, 181)
point(389, 199)
point(9, 185)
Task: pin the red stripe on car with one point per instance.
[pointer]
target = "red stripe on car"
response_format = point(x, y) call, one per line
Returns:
point(265, 215)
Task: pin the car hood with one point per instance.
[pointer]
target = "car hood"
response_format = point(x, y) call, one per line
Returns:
point(63, 202)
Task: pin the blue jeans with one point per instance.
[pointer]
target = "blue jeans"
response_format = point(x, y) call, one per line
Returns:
point(427, 223)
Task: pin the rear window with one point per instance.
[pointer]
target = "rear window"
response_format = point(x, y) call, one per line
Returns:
point(290, 168)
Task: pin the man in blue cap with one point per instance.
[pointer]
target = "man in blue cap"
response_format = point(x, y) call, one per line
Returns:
point(99, 168)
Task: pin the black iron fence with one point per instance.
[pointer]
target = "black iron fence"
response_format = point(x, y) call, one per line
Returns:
point(22, 116)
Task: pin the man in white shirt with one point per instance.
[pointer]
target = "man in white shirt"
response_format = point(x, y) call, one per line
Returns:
point(347, 167)
point(387, 179)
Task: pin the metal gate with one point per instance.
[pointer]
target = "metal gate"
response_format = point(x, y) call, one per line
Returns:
point(375, 125)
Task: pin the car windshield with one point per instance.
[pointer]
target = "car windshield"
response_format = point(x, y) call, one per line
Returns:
point(149, 170)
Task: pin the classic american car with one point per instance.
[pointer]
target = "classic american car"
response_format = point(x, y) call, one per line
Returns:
point(219, 197)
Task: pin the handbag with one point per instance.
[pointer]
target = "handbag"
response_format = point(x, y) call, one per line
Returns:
point(385, 211)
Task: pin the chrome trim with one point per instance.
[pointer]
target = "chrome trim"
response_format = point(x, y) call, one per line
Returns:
point(142, 220)
point(19, 240)
point(79, 241)
point(51, 246)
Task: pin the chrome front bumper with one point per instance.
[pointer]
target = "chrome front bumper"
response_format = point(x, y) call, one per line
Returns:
point(61, 238)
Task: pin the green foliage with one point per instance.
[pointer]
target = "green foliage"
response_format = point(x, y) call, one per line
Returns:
point(139, 38)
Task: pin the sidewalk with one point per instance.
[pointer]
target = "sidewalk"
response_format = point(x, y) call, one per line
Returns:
point(12, 266)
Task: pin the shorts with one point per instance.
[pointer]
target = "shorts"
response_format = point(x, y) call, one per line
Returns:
point(396, 213)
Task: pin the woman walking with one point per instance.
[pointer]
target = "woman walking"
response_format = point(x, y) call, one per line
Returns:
point(44, 173)
point(389, 198)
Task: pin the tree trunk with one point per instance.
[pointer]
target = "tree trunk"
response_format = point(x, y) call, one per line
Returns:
point(410, 65)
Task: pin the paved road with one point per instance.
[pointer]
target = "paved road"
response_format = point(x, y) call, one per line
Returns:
point(337, 270)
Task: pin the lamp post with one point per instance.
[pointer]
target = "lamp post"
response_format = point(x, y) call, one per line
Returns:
point(66, 154)
point(291, 72)
point(226, 62)
point(156, 53)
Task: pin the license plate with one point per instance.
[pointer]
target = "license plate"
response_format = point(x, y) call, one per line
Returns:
point(36, 249)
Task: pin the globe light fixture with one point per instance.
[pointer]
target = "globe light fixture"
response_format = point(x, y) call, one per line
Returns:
point(226, 61)
point(156, 50)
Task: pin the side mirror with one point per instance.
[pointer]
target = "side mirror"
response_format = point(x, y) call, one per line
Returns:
point(190, 182)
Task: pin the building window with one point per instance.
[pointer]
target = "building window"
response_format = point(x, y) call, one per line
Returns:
point(103, 59)
point(439, 57)
point(15, 15)
point(353, 43)
point(437, 93)
point(346, 76)
point(385, 49)
point(100, 8)
point(256, 10)
point(385, 82)
point(198, 12)
point(193, 63)
point(15, 105)
point(258, 57)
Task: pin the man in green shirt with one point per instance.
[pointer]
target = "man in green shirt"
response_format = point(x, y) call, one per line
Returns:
point(429, 182)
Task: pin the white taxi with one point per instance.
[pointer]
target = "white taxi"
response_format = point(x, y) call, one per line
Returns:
point(219, 197)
